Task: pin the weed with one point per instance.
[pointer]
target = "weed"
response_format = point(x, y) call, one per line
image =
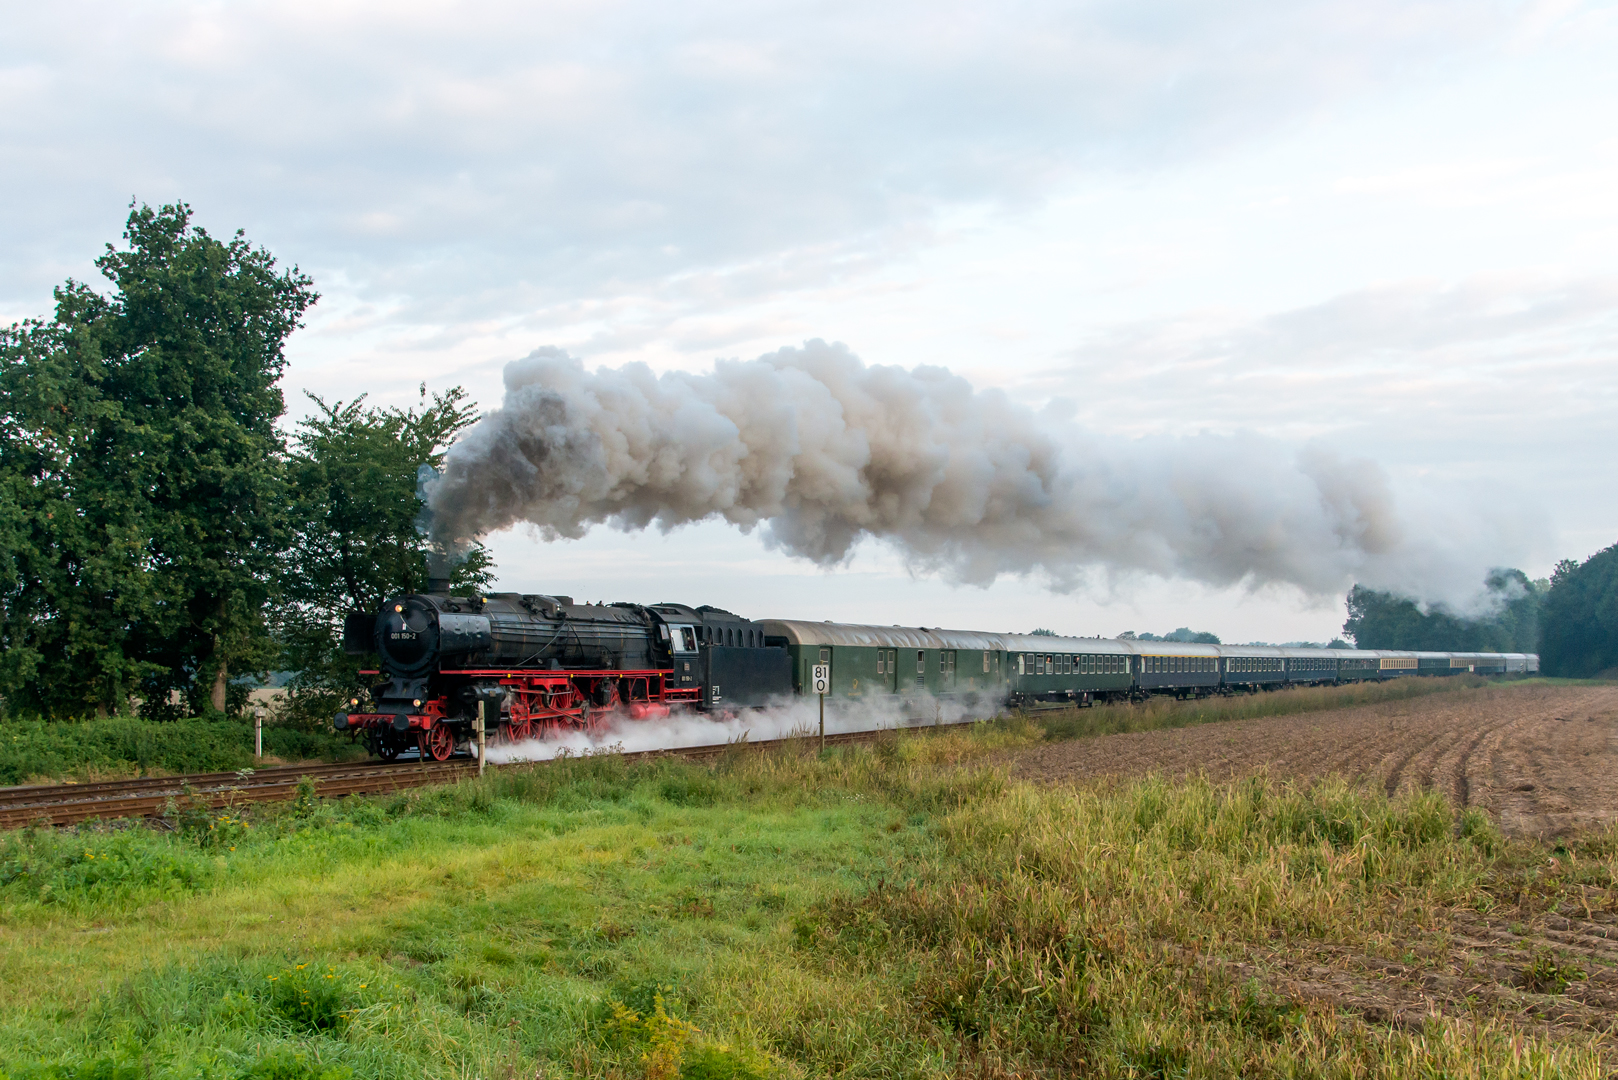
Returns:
point(1545, 974)
point(308, 996)
point(91, 868)
point(305, 798)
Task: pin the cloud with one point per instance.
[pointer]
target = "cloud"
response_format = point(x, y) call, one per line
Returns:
point(476, 159)
point(1467, 354)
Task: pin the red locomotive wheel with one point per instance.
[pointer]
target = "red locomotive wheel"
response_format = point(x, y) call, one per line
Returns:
point(437, 742)
point(520, 730)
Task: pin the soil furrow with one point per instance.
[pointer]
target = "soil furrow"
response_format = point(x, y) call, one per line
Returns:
point(1543, 760)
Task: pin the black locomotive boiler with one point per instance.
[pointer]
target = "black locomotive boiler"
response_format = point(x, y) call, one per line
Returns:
point(543, 665)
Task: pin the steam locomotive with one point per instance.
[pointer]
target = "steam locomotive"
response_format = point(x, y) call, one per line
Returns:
point(540, 665)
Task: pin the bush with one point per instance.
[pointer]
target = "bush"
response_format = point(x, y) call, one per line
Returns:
point(122, 745)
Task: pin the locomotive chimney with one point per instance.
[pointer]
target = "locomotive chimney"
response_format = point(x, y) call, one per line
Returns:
point(438, 585)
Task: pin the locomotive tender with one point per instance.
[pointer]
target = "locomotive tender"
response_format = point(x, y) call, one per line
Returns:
point(543, 665)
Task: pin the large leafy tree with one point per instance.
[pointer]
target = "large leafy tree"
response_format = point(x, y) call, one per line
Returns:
point(1580, 635)
point(355, 520)
point(141, 485)
point(1379, 620)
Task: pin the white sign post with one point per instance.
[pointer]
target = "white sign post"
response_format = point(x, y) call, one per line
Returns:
point(820, 677)
point(483, 714)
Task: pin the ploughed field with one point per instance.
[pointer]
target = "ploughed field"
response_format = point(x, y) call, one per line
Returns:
point(1541, 760)
point(1540, 946)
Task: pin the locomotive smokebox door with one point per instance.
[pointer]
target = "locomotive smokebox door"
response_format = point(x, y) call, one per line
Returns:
point(739, 678)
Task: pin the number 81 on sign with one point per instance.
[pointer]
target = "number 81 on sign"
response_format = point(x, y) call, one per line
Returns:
point(820, 679)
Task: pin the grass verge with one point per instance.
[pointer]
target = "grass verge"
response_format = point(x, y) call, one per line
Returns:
point(889, 910)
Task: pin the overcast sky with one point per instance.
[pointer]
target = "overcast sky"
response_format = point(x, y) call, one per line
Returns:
point(1383, 229)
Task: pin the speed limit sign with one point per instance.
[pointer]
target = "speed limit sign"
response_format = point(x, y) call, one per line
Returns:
point(821, 679)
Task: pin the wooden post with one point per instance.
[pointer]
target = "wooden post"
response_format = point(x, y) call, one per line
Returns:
point(258, 733)
point(483, 708)
point(822, 723)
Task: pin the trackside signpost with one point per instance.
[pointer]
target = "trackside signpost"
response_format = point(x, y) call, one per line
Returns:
point(820, 678)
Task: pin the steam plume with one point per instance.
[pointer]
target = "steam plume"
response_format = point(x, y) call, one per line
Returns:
point(821, 451)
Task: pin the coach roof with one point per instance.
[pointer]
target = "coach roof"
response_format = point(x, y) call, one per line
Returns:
point(856, 635)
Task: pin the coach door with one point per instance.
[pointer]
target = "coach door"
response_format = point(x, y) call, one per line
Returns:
point(887, 670)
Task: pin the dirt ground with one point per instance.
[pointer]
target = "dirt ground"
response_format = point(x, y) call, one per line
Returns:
point(1542, 760)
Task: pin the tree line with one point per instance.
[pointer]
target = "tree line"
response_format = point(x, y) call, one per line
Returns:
point(161, 536)
point(1570, 619)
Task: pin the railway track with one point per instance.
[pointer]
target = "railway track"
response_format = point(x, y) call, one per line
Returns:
point(69, 804)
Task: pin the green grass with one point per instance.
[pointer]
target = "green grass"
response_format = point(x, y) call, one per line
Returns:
point(885, 911)
point(34, 750)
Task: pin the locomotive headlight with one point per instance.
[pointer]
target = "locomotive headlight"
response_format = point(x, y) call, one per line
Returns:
point(353, 701)
point(417, 703)
point(398, 607)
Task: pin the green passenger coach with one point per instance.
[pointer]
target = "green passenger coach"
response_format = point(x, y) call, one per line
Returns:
point(1078, 670)
point(876, 663)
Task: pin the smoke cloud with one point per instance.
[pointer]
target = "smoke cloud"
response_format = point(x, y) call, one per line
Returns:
point(787, 718)
point(821, 451)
